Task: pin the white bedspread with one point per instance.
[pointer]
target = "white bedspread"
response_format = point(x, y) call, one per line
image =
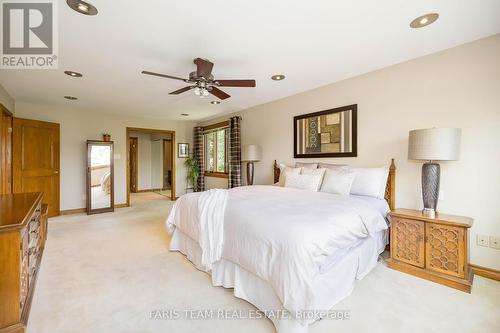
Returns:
point(282, 235)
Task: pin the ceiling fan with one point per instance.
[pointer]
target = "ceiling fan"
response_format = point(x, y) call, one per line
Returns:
point(203, 82)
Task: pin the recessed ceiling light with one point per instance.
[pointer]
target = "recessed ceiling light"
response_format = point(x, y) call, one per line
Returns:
point(82, 7)
point(424, 20)
point(71, 98)
point(215, 102)
point(185, 114)
point(73, 74)
point(278, 77)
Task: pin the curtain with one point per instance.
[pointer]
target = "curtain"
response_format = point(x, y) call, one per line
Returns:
point(234, 152)
point(198, 156)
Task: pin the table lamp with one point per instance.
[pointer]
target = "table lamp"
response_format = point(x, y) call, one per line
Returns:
point(251, 154)
point(431, 145)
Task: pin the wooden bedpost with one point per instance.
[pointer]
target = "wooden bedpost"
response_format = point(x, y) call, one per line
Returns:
point(390, 190)
point(276, 172)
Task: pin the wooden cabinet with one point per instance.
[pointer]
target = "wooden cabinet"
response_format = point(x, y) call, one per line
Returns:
point(23, 228)
point(432, 248)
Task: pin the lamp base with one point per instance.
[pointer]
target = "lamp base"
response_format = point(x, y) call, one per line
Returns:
point(249, 173)
point(429, 212)
point(431, 173)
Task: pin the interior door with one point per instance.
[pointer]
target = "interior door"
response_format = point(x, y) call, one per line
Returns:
point(133, 164)
point(167, 164)
point(36, 160)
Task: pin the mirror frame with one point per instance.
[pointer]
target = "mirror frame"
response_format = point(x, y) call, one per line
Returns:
point(354, 151)
point(111, 208)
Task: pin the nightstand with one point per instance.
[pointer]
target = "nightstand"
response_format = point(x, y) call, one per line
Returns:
point(436, 249)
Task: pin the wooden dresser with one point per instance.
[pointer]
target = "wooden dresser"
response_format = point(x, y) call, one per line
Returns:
point(435, 249)
point(23, 231)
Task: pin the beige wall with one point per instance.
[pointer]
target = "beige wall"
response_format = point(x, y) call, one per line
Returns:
point(77, 126)
point(6, 99)
point(459, 87)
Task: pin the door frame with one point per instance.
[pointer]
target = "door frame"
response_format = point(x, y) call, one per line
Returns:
point(149, 130)
point(165, 171)
point(6, 178)
point(136, 139)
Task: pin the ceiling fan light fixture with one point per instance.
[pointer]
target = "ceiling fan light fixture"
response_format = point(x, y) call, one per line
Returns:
point(278, 77)
point(201, 91)
point(82, 7)
point(202, 81)
point(424, 20)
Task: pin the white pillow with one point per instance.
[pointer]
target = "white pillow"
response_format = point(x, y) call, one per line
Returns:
point(306, 165)
point(320, 171)
point(333, 166)
point(284, 170)
point(338, 181)
point(304, 182)
point(370, 181)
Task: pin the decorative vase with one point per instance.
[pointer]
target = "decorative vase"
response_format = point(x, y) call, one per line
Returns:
point(106, 137)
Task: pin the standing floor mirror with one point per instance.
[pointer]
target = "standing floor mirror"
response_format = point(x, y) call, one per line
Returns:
point(100, 174)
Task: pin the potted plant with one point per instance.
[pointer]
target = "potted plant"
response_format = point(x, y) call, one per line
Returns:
point(193, 172)
point(106, 137)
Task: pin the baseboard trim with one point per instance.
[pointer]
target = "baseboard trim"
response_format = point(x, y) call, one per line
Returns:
point(83, 210)
point(488, 273)
point(150, 190)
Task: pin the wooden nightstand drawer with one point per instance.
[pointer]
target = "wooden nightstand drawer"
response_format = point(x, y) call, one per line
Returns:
point(407, 241)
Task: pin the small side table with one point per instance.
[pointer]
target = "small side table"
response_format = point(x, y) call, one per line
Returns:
point(436, 249)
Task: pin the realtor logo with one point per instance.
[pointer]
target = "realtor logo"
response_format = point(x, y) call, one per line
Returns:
point(29, 34)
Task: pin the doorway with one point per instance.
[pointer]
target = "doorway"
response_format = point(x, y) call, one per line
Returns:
point(150, 163)
point(168, 155)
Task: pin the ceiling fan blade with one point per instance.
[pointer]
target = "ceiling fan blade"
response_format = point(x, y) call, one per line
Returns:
point(180, 91)
point(236, 83)
point(203, 68)
point(164, 75)
point(219, 93)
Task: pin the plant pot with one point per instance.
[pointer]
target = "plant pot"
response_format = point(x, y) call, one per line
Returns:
point(106, 137)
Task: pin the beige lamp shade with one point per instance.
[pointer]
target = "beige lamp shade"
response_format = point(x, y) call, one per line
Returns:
point(434, 144)
point(251, 153)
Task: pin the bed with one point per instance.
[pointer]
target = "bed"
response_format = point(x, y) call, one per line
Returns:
point(292, 262)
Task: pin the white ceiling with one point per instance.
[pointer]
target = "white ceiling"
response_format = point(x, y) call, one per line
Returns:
point(312, 42)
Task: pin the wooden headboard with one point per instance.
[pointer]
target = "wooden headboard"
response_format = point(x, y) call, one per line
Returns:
point(390, 189)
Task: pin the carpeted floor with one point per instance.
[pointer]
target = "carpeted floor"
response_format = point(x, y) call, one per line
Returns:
point(108, 272)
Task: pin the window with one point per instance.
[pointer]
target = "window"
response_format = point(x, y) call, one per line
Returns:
point(216, 151)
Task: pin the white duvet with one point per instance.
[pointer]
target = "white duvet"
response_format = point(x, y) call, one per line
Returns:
point(282, 235)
